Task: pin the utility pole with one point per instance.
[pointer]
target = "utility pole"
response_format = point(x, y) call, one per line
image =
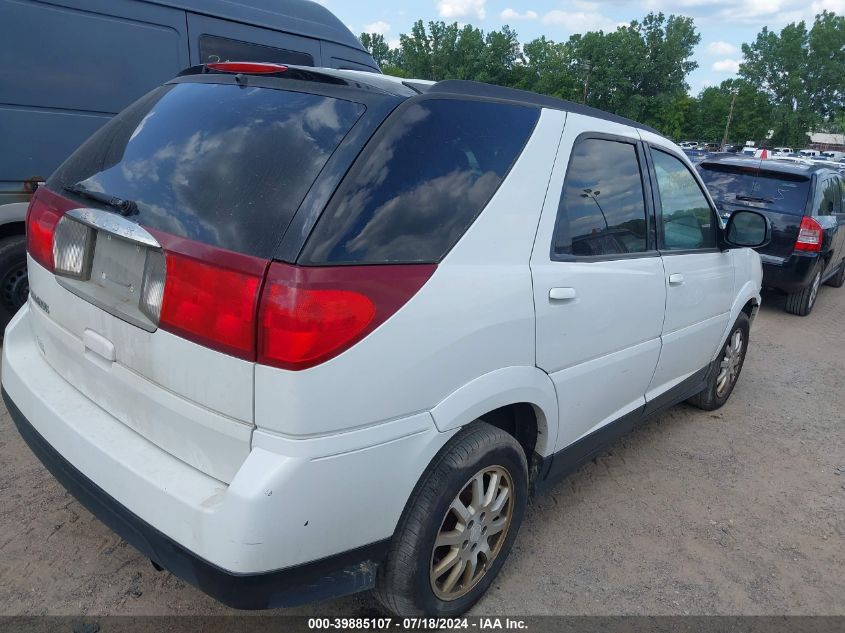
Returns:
point(730, 116)
point(589, 66)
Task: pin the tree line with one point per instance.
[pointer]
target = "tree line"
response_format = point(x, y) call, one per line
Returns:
point(789, 82)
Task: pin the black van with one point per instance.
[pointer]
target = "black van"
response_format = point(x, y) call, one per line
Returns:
point(77, 63)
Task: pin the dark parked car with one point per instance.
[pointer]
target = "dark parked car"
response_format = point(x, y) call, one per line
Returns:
point(804, 203)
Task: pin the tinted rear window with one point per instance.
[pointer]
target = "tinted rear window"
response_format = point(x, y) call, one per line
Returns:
point(217, 163)
point(421, 183)
point(780, 192)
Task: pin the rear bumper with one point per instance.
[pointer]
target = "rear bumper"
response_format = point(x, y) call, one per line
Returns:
point(336, 575)
point(301, 520)
point(792, 274)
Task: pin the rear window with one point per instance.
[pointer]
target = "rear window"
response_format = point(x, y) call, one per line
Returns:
point(421, 183)
point(216, 163)
point(780, 192)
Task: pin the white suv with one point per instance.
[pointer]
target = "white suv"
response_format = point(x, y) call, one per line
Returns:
point(295, 333)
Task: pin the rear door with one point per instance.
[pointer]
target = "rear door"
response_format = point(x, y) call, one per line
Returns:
point(213, 40)
point(699, 277)
point(599, 292)
point(829, 215)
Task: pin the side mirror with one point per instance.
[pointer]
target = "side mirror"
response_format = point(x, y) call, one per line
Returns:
point(747, 229)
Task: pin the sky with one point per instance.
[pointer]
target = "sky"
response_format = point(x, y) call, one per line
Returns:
point(723, 24)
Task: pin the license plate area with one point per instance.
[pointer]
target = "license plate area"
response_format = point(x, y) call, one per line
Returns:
point(118, 263)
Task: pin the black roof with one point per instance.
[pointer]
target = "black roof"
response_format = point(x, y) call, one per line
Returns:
point(301, 17)
point(489, 91)
point(770, 165)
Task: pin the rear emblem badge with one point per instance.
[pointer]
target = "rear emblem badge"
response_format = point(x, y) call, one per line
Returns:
point(40, 302)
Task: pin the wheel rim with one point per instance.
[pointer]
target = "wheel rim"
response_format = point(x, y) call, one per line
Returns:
point(731, 362)
point(472, 533)
point(15, 288)
point(815, 289)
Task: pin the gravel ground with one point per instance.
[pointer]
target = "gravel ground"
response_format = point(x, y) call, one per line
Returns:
point(739, 511)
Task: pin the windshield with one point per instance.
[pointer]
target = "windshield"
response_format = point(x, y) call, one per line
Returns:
point(216, 163)
point(750, 186)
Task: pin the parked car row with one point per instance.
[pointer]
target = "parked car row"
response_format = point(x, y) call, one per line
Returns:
point(268, 342)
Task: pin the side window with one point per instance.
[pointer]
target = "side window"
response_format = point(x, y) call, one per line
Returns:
point(602, 208)
point(421, 183)
point(687, 220)
point(222, 49)
point(829, 198)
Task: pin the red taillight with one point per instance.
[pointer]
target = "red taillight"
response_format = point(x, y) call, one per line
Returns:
point(211, 295)
point(45, 211)
point(810, 236)
point(311, 314)
point(250, 68)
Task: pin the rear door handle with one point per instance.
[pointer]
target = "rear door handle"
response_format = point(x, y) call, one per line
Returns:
point(562, 294)
point(676, 279)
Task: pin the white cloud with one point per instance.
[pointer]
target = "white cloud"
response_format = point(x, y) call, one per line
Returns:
point(726, 66)
point(381, 27)
point(722, 49)
point(511, 14)
point(580, 21)
point(394, 43)
point(461, 8)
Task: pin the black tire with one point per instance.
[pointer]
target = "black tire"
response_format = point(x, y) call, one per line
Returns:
point(838, 280)
point(712, 398)
point(802, 302)
point(404, 585)
point(14, 285)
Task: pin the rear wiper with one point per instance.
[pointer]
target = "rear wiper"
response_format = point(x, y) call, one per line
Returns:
point(753, 199)
point(124, 207)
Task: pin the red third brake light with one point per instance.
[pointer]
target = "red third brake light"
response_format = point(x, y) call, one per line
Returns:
point(810, 236)
point(249, 68)
point(311, 314)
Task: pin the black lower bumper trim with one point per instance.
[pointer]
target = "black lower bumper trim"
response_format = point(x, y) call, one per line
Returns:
point(337, 575)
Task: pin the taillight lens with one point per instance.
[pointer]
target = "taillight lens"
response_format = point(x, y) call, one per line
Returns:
point(152, 287)
point(41, 219)
point(73, 248)
point(309, 315)
point(809, 236)
point(210, 295)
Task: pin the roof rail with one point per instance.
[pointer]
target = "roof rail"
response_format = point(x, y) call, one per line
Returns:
point(489, 91)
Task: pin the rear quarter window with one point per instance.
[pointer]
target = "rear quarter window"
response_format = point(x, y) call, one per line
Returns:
point(421, 183)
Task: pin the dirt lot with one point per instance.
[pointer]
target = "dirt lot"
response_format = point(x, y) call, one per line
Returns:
point(737, 512)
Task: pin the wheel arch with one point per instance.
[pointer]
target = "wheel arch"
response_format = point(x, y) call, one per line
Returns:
point(514, 399)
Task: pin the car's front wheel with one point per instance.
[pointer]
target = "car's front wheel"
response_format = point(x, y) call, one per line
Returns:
point(725, 370)
point(458, 527)
point(838, 280)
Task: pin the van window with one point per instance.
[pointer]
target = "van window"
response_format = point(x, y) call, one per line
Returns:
point(213, 162)
point(602, 208)
point(687, 220)
point(222, 49)
point(422, 182)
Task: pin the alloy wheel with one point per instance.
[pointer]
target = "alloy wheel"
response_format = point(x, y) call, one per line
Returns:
point(472, 533)
point(729, 367)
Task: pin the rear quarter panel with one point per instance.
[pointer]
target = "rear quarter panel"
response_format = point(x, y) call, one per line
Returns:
point(473, 317)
